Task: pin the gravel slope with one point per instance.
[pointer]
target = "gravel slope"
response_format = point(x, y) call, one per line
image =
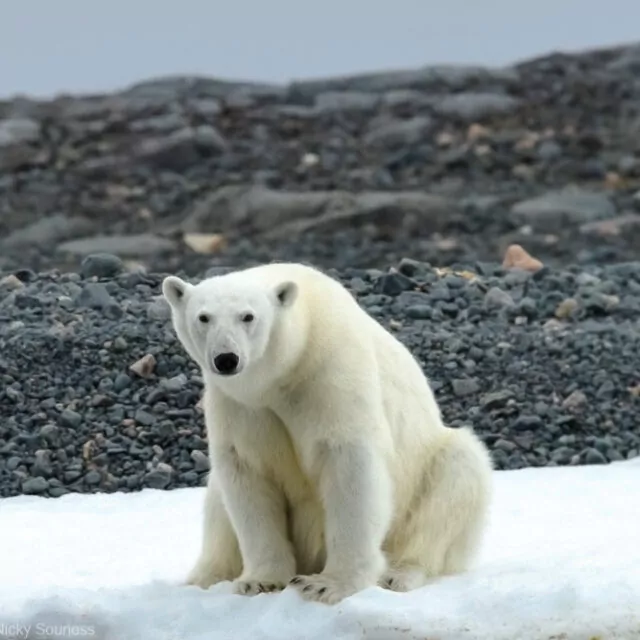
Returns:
point(97, 395)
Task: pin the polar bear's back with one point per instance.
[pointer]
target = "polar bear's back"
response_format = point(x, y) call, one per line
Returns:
point(276, 272)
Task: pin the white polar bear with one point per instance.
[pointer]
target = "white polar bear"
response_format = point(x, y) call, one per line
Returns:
point(331, 467)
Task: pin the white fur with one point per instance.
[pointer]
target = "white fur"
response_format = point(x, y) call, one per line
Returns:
point(331, 467)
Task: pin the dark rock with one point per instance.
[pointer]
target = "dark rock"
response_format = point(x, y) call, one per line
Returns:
point(465, 386)
point(14, 131)
point(47, 231)
point(126, 246)
point(160, 477)
point(476, 106)
point(42, 464)
point(549, 150)
point(393, 284)
point(37, 486)
point(164, 123)
point(93, 477)
point(144, 418)
point(627, 61)
point(101, 265)
point(159, 309)
point(121, 382)
point(412, 268)
point(50, 434)
point(95, 295)
point(526, 423)
point(496, 399)
point(398, 133)
point(496, 298)
point(331, 101)
point(200, 460)
point(181, 149)
point(419, 312)
point(553, 210)
point(69, 418)
point(593, 456)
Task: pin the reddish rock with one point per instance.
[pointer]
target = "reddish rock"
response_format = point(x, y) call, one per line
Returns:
point(516, 257)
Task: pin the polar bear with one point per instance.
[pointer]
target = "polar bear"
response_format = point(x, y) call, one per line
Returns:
point(331, 468)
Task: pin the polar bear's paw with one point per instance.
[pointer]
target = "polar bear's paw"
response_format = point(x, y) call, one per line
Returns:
point(204, 576)
point(403, 580)
point(254, 587)
point(327, 589)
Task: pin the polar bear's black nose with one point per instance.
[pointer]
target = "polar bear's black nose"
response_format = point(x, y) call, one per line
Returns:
point(226, 363)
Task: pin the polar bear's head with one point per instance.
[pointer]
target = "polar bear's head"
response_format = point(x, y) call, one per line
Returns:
point(225, 323)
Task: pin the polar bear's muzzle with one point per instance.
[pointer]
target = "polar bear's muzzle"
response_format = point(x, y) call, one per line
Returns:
point(226, 364)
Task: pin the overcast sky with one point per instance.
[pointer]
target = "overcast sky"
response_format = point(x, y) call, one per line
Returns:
point(51, 46)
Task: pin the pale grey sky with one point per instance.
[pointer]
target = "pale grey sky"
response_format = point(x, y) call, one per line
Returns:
point(50, 46)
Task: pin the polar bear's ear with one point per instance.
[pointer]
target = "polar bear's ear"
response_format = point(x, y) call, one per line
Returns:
point(174, 290)
point(286, 293)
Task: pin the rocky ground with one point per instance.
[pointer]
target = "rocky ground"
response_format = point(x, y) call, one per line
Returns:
point(97, 394)
point(447, 166)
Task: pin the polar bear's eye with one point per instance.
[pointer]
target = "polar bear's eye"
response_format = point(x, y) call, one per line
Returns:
point(247, 317)
point(204, 318)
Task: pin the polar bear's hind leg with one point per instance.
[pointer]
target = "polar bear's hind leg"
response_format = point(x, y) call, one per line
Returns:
point(443, 529)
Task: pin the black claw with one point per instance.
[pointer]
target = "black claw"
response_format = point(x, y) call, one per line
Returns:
point(307, 588)
point(322, 590)
point(260, 588)
point(296, 580)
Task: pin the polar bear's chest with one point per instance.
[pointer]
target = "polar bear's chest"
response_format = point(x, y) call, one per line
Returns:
point(269, 448)
point(291, 467)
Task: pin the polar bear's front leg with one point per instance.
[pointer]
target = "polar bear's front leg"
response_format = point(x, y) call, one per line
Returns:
point(257, 511)
point(357, 498)
point(219, 558)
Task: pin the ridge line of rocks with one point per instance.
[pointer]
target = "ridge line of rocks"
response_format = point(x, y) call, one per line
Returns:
point(442, 162)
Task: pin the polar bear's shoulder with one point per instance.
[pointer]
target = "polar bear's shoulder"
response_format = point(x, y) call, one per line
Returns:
point(314, 286)
point(277, 271)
